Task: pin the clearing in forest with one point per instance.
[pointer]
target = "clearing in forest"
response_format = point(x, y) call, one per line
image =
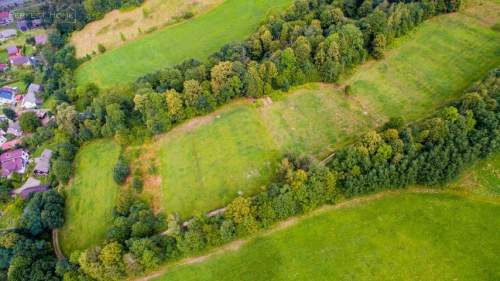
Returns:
point(398, 236)
point(204, 163)
point(90, 197)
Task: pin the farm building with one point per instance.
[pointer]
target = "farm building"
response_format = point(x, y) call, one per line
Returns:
point(32, 185)
point(14, 161)
point(42, 166)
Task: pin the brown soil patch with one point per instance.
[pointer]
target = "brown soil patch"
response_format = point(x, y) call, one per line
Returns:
point(118, 27)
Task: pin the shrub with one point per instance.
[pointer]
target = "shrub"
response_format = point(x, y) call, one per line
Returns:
point(121, 171)
point(101, 48)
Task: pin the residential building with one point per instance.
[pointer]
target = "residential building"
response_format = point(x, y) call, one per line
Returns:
point(13, 51)
point(14, 129)
point(41, 39)
point(42, 163)
point(7, 33)
point(14, 161)
point(3, 67)
point(30, 100)
point(5, 4)
point(22, 25)
point(6, 18)
point(9, 145)
point(20, 61)
point(32, 185)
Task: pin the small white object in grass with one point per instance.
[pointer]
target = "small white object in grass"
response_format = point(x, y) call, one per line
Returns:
point(365, 113)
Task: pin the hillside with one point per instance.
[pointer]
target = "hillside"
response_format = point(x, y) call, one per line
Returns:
point(119, 27)
point(197, 38)
point(204, 163)
point(410, 235)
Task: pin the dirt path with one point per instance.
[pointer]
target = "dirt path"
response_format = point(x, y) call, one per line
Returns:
point(55, 243)
point(237, 244)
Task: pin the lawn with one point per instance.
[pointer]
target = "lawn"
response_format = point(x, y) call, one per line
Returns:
point(399, 237)
point(203, 167)
point(90, 197)
point(197, 38)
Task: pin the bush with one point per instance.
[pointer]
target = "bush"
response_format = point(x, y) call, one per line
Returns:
point(29, 122)
point(101, 48)
point(121, 171)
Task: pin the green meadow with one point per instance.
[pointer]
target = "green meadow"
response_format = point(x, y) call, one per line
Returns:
point(205, 166)
point(90, 197)
point(197, 38)
point(399, 237)
point(448, 235)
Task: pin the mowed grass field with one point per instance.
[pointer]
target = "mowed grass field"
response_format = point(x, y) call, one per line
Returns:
point(402, 236)
point(202, 167)
point(90, 197)
point(231, 21)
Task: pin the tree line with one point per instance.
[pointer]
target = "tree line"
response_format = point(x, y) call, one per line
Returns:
point(429, 152)
point(313, 40)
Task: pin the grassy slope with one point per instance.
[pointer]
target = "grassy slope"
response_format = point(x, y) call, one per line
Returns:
point(240, 149)
point(400, 237)
point(91, 196)
point(197, 38)
point(134, 23)
point(202, 168)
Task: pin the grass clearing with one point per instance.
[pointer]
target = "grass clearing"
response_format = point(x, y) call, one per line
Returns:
point(90, 197)
point(135, 22)
point(204, 163)
point(197, 38)
point(399, 237)
point(206, 166)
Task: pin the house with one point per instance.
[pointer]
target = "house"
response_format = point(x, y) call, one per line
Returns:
point(30, 100)
point(42, 163)
point(11, 144)
point(14, 129)
point(6, 18)
point(5, 4)
point(14, 161)
point(32, 185)
point(41, 39)
point(3, 67)
point(36, 23)
point(7, 96)
point(13, 51)
point(22, 25)
point(7, 33)
point(20, 61)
